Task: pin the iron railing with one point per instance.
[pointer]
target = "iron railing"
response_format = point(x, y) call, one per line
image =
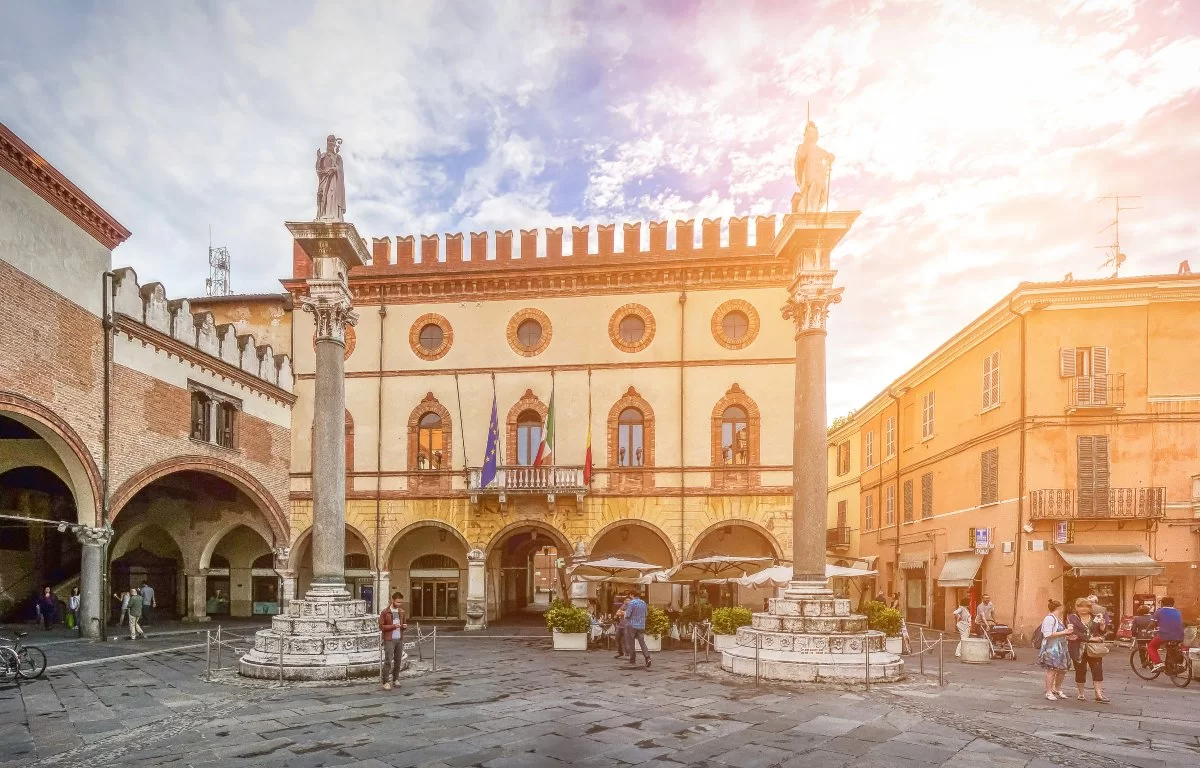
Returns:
point(1121, 503)
point(837, 538)
point(521, 480)
point(1107, 391)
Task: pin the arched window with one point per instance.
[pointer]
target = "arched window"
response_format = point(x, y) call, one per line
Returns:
point(529, 436)
point(735, 436)
point(434, 561)
point(630, 445)
point(357, 561)
point(429, 442)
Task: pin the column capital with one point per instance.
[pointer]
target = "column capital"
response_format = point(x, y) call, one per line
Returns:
point(809, 299)
point(90, 536)
point(332, 310)
point(282, 555)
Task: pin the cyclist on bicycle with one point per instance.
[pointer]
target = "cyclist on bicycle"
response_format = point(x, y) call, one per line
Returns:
point(1170, 629)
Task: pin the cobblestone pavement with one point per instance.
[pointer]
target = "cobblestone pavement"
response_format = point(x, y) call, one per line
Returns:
point(497, 703)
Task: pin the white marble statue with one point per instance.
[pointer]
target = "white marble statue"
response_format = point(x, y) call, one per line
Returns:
point(331, 182)
point(813, 166)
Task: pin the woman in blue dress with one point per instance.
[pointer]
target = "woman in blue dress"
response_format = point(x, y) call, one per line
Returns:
point(1053, 656)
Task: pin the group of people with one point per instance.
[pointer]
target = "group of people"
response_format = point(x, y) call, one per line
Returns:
point(137, 607)
point(46, 609)
point(631, 627)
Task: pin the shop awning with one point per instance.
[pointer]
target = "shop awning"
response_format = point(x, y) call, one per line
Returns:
point(1108, 560)
point(960, 569)
point(913, 562)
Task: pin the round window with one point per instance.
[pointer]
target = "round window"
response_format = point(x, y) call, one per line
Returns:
point(431, 337)
point(633, 328)
point(734, 325)
point(529, 333)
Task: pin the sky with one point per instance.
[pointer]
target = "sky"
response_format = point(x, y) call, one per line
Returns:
point(977, 138)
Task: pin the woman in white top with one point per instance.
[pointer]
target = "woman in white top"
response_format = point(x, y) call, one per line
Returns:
point(73, 607)
point(962, 622)
point(1053, 656)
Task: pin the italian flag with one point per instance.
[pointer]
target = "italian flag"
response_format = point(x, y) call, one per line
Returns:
point(587, 457)
point(545, 452)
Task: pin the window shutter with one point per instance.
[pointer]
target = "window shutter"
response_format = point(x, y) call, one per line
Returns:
point(1087, 474)
point(1099, 394)
point(841, 514)
point(927, 494)
point(908, 501)
point(1099, 361)
point(989, 485)
point(1100, 464)
point(971, 538)
point(1066, 362)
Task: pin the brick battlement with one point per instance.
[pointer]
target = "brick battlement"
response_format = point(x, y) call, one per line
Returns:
point(149, 306)
point(553, 247)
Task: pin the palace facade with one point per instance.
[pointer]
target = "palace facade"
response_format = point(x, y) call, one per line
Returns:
point(1050, 449)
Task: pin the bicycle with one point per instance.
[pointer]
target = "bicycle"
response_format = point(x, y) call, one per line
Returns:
point(1177, 666)
point(8, 663)
point(30, 660)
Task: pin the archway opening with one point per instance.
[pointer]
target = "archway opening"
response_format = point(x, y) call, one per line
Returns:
point(524, 574)
point(34, 556)
point(148, 554)
point(360, 578)
point(639, 542)
point(737, 540)
point(428, 564)
point(241, 579)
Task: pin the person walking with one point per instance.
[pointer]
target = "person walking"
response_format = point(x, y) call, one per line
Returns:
point(47, 608)
point(392, 622)
point(635, 614)
point(135, 615)
point(148, 603)
point(123, 596)
point(622, 629)
point(962, 622)
point(1054, 657)
point(1087, 647)
point(73, 609)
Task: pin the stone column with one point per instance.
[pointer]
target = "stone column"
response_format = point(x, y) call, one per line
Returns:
point(197, 604)
point(383, 590)
point(579, 587)
point(476, 596)
point(94, 543)
point(810, 297)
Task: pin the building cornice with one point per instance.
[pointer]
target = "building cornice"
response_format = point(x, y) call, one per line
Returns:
point(545, 368)
point(172, 346)
point(32, 170)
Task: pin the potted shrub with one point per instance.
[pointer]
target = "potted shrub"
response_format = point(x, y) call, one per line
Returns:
point(657, 627)
point(887, 621)
point(569, 626)
point(725, 623)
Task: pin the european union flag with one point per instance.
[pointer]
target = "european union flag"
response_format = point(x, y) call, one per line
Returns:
point(488, 473)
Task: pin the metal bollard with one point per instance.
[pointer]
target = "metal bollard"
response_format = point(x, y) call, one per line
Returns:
point(707, 643)
point(695, 651)
point(867, 654)
point(921, 658)
point(435, 648)
point(208, 654)
point(941, 662)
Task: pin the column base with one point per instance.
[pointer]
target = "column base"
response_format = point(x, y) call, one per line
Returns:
point(321, 638)
point(814, 588)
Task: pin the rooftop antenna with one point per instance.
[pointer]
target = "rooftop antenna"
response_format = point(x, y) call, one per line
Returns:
point(1115, 256)
point(217, 283)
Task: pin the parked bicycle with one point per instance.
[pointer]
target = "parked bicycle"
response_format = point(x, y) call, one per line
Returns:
point(25, 661)
point(1176, 663)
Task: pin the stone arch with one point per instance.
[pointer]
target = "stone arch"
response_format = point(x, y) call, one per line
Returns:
point(215, 539)
point(652, 528)
point(225, 470)
point(501, 535)
point(430, 404)
point(729, 474)
point(85, 482)
point(631, 399)
point(305, 538)
point(776, 550)
point(391, 547)
point(120, 543)
point(528, 402)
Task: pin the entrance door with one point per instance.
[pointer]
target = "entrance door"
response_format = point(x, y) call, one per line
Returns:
point(435, 599)
point(915, 608)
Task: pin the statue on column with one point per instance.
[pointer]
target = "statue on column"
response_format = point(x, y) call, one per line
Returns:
point(331, 182)
point(813, 166)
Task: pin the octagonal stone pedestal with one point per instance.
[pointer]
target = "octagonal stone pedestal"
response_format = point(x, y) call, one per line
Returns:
point(322, 638)
point(811, 639)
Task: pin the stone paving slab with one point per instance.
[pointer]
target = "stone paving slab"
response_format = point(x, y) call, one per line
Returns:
point(498, 702)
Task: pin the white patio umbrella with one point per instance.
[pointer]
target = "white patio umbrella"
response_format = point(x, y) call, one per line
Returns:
point(613, 569)
point(781, 575)
point(718, 567)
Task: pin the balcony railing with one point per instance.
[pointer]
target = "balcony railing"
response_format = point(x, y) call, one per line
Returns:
point(1107, 391)
point(528, 481)
point(837, 538)
point(1117, 503)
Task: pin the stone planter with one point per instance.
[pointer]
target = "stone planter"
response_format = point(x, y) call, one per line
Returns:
point(976, 650)
point(653, 642)
point(570, 641)
point(894, 645)
point(721, 642)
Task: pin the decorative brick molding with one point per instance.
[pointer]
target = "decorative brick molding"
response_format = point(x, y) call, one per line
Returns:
point(242, 479)
point(528, 402)
point(414, 336)
point(430, 480)
point(439, 525)
point(529, 313)
point(32, 170)
point(696, 550)
point(301, 549)
point(753, 324)
point(595, 554)
point(13, 403)
point(728, 475)
point(614, 327)
point(624, 478)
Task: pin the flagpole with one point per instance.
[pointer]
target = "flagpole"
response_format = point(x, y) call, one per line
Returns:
point(552, 451)
point(588, 455)
point(499, 442)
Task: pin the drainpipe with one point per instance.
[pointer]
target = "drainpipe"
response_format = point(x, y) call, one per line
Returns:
point(1020, 543)
point(379, 464)
point(107, 300)
point(899, 493)
point(682, 414)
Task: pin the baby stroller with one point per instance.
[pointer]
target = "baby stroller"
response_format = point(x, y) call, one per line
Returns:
point(1000, 638)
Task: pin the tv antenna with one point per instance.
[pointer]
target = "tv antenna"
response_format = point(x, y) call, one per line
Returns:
point(217, 283)
point(1115, 256)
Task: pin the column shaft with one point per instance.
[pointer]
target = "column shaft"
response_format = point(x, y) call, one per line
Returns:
point(329, 467)
point(810, 469)
point(91, 607)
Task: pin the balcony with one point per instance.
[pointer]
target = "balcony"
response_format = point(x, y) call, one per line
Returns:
point(528, 481)
point(1118, 504)
point(837, 538)
point(1096, 392)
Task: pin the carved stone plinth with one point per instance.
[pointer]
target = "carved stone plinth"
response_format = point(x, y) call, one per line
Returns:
point(322, 639)
point(811, 640)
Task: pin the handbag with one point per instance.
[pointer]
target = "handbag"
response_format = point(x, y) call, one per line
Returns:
point(1096, 648)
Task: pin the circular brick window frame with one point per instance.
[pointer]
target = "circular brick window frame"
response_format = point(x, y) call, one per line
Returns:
point(350, 340)
point(752, 324)
point(414, 336)
point(529, 313)
point(631, 310)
